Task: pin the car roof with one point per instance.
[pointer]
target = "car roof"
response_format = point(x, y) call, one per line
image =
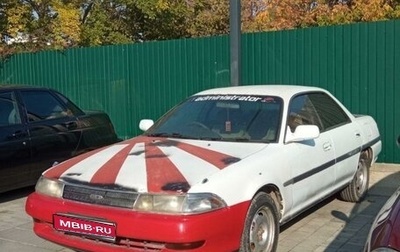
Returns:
point(284, 91)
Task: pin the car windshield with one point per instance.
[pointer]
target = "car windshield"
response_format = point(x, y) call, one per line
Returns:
point(222, 118)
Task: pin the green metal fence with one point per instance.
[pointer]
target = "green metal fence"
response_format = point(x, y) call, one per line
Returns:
point(358, 63)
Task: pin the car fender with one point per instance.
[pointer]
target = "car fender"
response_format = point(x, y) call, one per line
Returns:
point(243, 180)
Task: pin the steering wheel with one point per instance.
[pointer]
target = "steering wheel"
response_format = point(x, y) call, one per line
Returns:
point(204, 127)
point(199, 124)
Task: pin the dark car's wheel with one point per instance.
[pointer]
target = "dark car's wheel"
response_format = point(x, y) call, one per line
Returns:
point(358, 188)
point(261, 228)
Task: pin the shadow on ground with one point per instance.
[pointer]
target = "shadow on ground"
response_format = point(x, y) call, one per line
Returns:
point(16, 194)
point(358, 222)
point(335, 225)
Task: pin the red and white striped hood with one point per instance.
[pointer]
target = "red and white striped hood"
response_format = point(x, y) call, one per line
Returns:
point(148, 164)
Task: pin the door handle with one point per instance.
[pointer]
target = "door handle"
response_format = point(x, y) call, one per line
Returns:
point(327, 146)
point(71, 125)
point(18, 134)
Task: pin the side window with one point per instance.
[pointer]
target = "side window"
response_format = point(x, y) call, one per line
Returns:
point(71, 106)
point(42, 105)
point(330, 113)
point(302, 112)
point(9, 113)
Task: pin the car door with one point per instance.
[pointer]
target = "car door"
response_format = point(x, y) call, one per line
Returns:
point(53, 128)
point(346, 138)
point(15, 155)
point(311, 161)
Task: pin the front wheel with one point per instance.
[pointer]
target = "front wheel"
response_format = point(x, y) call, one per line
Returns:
point(261, 227)
point(358, 188)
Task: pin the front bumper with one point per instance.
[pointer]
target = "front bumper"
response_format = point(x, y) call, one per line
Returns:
point(136, 232)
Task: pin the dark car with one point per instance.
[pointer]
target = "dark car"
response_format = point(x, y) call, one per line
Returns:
point(40, 127)
point(384, 235)
point(385, 231)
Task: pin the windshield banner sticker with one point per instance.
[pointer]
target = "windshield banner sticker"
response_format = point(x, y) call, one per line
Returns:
point(249, 98)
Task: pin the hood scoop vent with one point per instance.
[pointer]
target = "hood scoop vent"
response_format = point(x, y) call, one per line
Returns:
point(180, 187)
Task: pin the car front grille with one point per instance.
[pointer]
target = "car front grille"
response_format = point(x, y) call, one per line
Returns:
point(100, 196)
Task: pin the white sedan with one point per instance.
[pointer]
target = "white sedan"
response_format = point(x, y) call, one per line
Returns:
point(221, 171)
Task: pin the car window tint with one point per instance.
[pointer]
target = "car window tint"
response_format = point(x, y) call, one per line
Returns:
point(223, 117)
point(330, 113)
point(302, 112)
point(9, 113)
point(71, 106)
point(42, 105)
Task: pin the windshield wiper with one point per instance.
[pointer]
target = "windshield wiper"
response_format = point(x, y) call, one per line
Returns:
point(211, 138)
point(163, 134)
point(158, 135)
point(243, 139)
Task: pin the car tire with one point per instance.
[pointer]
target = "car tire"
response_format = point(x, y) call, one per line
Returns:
point(261, 227)
point(358, 188)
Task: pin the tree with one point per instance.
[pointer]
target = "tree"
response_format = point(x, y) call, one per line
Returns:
point(3, 27)
point(103, 23)
point(291, 14)
point(208, 17)
point(123, 21)
point(65, 24)
point(159, 19)
point(3, 17)
point(34, 25)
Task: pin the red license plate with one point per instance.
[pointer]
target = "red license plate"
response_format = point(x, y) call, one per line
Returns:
point(85, 226)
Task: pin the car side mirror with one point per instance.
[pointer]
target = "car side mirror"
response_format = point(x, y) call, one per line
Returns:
point(302, 133)
point(145, 124)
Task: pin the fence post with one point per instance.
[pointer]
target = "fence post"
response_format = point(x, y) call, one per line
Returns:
point(235, 41)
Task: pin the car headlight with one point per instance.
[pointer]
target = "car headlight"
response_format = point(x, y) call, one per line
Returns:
point(179, 204)
point(49, 187)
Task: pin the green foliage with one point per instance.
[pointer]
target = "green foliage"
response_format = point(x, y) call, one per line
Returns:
point(208, 17)
point(291, 14)
point(102, 25)
point(157, 19)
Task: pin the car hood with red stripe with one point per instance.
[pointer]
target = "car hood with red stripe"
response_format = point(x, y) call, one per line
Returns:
point(148, 164)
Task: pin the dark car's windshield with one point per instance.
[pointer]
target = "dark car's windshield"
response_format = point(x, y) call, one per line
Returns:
point(223, 117)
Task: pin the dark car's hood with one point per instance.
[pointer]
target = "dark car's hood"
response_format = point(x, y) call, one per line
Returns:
point(148, 164)
point(385, 231)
